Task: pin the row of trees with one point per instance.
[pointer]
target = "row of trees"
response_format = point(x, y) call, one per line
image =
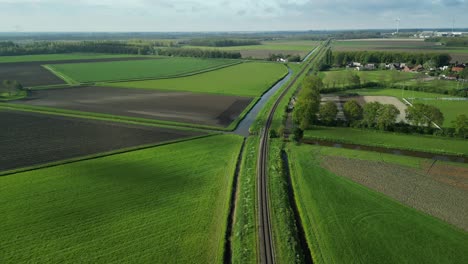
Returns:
point(198, 53)
point(45, 47)
point(372, 115)
point(308, 102)
point(342, 58)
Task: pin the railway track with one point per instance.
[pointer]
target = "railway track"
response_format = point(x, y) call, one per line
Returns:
point(266, 245)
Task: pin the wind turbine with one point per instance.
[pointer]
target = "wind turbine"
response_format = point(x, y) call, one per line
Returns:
point(398, 25)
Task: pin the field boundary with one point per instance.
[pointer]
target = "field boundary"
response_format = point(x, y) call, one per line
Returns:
point(100, 155)
point(67, 79)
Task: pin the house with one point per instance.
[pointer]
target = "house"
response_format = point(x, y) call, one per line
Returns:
point(370, 66)
point(417, 68)
point(458, 68)
point(282, 60)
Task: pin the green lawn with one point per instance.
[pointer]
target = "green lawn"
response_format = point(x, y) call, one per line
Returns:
point(390, 140)
point(349, 223)
point(399, 93)
point(134, 70)
point(165, 204)
point(246, 79)
point(450, 109)
point(56, 57)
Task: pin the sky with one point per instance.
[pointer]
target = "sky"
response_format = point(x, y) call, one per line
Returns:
point(223, 15)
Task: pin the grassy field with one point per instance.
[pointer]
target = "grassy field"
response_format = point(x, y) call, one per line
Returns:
point(401, 45)
point(245, 237)
point(134, 70)
point(450, 109)
point(57, 57)
point(246, 79)
point(338, 78)
point(346, 222)
point(287, 47)
point(390, 140)
point(161, 205)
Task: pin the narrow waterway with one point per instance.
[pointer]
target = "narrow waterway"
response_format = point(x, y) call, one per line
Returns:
point(243, 127)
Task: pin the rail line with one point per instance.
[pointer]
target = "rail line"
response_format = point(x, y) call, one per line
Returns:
point(266, 250)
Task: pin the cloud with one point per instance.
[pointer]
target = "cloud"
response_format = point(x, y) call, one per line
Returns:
point(196, 15)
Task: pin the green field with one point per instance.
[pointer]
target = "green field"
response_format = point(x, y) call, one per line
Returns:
point(134, 70)
point(349, 223)
point(390, 140)
point(263, 51)
point(165, 204)
point(57, 57)
point(399, 93)
point(246, 79)
point(450, 109)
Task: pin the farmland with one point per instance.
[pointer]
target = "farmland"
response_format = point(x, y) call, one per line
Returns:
point(263, 51)
point(346, 221)
point(34, 74)
point(153, 205)
point(31, 139)
point(401, 45)
point(200, 109)
point(246, 79)
point(390, 140)
point(134, 70)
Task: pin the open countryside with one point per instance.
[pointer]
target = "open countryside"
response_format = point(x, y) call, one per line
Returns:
point(237, 133)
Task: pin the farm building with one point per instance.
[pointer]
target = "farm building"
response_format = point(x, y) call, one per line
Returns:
point(458, 68)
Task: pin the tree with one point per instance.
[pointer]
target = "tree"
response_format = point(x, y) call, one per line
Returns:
point(461, 125)
point(421, 114)
point(435, 115)
point(328, 112)
point(371, 113)
point(352, 111)
point(416, 115)
point(464, 74)
point(387, 116)
point(308, 102)
point(298, 134)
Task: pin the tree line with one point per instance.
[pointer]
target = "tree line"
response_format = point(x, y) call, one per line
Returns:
point(113, 47)
point(342, 58)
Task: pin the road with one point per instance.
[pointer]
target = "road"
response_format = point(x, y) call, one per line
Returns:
point(267, 254)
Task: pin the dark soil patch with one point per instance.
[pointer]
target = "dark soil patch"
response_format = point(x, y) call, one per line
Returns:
point(32, 74)
point(28, 139)
point(433, 193)
point(201, 109)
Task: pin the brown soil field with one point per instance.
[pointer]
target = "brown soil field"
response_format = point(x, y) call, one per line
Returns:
point(32, 74)
point(201, 109)
point(29, 139)
point(441, 191)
